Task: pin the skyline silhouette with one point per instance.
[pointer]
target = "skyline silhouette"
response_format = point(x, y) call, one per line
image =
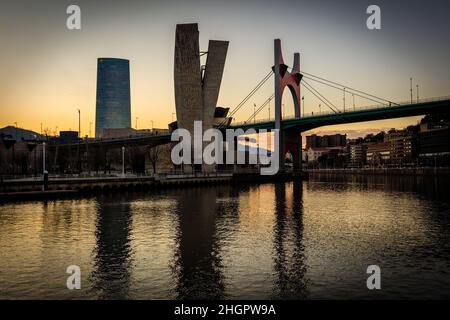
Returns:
point(49, 71)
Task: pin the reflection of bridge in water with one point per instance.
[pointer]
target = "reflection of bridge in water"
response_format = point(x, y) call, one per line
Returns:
point(200, 263)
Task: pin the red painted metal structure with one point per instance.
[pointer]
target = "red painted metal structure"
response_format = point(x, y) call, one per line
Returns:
point(283, 79)
point(290, 141)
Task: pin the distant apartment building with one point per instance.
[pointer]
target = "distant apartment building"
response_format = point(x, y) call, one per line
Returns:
point(115, 133)
point(402, 146)
point(312, 154)
point(113, 108)
point(325, 157)
point(378, 153)
point(327, 141)
point(68, 136)
point(434, 144)
point(357, 155)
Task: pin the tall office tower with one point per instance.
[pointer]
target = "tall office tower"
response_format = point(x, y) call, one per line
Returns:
point(113, 108)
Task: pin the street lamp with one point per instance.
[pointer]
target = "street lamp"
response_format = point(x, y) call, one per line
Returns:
point(344, 98)
point(17, 133)
point(152, 124)
point(417, 87)
point(123, 161)
point(79, 123)
point(410, 89)
point(136, 122)
point(254, 111)
point(44, 171)
point(79, 136)
point(303, 101)
point(43, 157)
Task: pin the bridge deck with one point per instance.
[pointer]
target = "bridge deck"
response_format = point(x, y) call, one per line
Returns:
point(378, 113)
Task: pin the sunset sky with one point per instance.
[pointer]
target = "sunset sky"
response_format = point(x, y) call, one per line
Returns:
point(48, 71)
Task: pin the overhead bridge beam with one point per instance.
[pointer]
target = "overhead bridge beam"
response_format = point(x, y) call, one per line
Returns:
point(119, 142)
point(308, 123)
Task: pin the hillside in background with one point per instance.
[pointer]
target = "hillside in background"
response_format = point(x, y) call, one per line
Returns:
point(19, 134)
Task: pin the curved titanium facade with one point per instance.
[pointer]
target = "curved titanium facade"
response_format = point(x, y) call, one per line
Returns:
point(113, 95)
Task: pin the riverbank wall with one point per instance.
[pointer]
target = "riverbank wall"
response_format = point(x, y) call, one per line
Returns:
point(32, 188)
point(431, 171)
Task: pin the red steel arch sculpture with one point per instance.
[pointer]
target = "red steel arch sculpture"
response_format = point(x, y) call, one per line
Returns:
point(289, 140)
point(283, 79)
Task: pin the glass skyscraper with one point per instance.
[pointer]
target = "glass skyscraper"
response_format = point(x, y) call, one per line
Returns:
point(113, 108)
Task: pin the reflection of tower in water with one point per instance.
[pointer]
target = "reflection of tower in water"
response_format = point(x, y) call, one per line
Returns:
point(111, 275)
point(289, 254)
point(198, 264)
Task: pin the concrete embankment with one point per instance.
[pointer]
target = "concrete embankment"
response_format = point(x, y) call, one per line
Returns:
point(32, 188)
point(108, 182)
point(384, 171)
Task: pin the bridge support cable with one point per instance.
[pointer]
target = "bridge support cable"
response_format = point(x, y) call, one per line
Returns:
point(329, 103)
point(341, 87)
point(244, 101)
point(261, 107)
point(306, 86)
point(349, 91)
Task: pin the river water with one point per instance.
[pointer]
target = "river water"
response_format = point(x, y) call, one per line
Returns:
point(295, 240)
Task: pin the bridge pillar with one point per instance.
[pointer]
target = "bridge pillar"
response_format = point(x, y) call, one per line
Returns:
point(291, 141)
point(283, 79)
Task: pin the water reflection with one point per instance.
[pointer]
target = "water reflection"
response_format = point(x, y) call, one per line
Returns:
point(113, 258)
point(435, 188)
point(288, 238)
point(198, 265)
point(292, 240)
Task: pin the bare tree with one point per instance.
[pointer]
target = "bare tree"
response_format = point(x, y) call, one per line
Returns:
point(154, 156)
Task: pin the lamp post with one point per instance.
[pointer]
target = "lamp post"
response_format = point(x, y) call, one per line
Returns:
point(303, 101)
point(44, 171)
point(152, 125)
point(410, 89)
point(344, 98)
point(417, 87)
point(43, 158)
point(13, 149)
point(254, 111)
point(17, 133)
point(123, 161)
point(79, 136)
